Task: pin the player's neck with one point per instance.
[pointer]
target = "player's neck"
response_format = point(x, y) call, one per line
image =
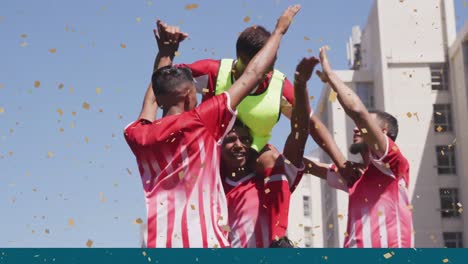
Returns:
point(173, 110)
point(365, 156)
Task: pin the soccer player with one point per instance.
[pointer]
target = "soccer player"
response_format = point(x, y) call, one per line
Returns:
point(250, 195)
point(179, 155)
point(379, 211)
point(261, 110)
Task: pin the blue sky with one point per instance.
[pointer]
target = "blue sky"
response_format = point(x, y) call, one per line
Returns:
point(60, 162)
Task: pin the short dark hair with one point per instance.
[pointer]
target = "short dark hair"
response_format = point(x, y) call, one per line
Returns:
point(388, 121)
point(251, 41)
point(167, 79)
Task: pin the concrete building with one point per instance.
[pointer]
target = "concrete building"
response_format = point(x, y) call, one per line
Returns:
point(407, 61)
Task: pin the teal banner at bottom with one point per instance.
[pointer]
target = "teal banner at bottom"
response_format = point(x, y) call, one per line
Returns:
point(243, 256)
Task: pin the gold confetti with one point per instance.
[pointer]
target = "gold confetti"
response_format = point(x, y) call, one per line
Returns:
point(445, 260)
point(71, 222)
point(438, 113)
point(24, 44)
point(192, 206)
point(340, 216)
point(246, 19)
point(53, 50)
point(226, 228)
point(364, 130)
point(37, 84)
point(50, 154)
point(306, 38)
point(2, 110)
point(191, 6)
point(143, 253)
point(330, 226)
point(123, 46)
point(346, 234)
point(267, 190)
point(24, 35)
point(86, 140)
point(410, 207)
point(387, 165)
point(60, 86)
point(439, 129)
point(177, 53)
point(89, 243)
point(60, 112)
point(205, 90)
point(332, 97)
point(71, 90)
point(138, 19)
point(61, 129)
point(459, 204)
point(138, 221)
point(388, 255)
point(98, 90)
point(85, 106)
point(409, 114)
point(47, 231)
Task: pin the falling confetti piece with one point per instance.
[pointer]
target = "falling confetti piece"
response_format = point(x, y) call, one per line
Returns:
point(246, 19)
point(47, 231)
point(267, 191)
point(89, 243)
point(50, 154)
point(340, 216)
point(53, 50)
point(98, 90)
point(191, 6)
point(181, 175)
point(24, 35)
point(177, 53)
point(330, 226)
point(364, 131)
point(309, 50)
point(459, 205)
point(60, 112)
point(226, 228)
point(60, 86)
point(205, 90)
point(24, 44)
point(138, 221)
point(2, 110)
point(410, 206)
point(445, 260)
point(85, 106)
point(138, 19)
point(388, 255)
point(2, 86)
point(86, 140)
point(123, 46)
point(409, 114)
point(71, 222)
point(332, 97)
point(439, 129)
point(37, 84)
point(73, 113)
point(192, 206)
point(306, 38)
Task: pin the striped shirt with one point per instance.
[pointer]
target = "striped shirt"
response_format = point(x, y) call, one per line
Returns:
point(379, 210)
point(178, 158)
point(248, 216)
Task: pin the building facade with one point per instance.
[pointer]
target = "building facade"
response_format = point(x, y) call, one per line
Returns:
point(408, 61)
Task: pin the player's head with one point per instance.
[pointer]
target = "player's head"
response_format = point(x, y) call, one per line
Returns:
point(249, 42)
point(388, 124)
point(174, 86)
point(236, 146)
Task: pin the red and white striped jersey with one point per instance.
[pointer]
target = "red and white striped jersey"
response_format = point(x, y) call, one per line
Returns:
point(379, 210)
point(249, 220)
point(178, 157)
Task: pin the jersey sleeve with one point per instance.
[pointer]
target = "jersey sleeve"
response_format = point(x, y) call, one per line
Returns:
point(204, 73)
point(393, 163)
point(287, 99)
point(217, 115)
point(286, 171)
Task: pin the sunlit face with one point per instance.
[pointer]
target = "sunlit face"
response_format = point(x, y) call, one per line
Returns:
point(236, 147)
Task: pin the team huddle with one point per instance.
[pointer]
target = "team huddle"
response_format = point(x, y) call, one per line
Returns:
point(210, 177)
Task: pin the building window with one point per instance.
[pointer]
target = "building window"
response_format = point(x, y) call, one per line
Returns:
point(453, 239)
point(449, 203)
point(439, 77)
point(442, 117)
point(446, 160)
point(307, 237)
point(365, 92)
point(306, 202)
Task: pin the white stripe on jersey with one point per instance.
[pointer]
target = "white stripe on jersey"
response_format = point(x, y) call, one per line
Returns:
point(161, 226)
point(352, 234)
point(383, 228)
point(366, 228)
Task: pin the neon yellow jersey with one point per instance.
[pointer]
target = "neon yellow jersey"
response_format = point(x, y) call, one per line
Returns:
point(259, 112)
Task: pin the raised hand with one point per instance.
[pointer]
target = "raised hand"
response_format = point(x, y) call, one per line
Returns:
point(168, 37)
point(326, 67)
point(304, 69)
point(286, 18)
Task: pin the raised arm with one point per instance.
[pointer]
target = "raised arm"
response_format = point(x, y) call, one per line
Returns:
point(295, 143)
point(257, 67)
point(354, 108)
point(168, 39)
